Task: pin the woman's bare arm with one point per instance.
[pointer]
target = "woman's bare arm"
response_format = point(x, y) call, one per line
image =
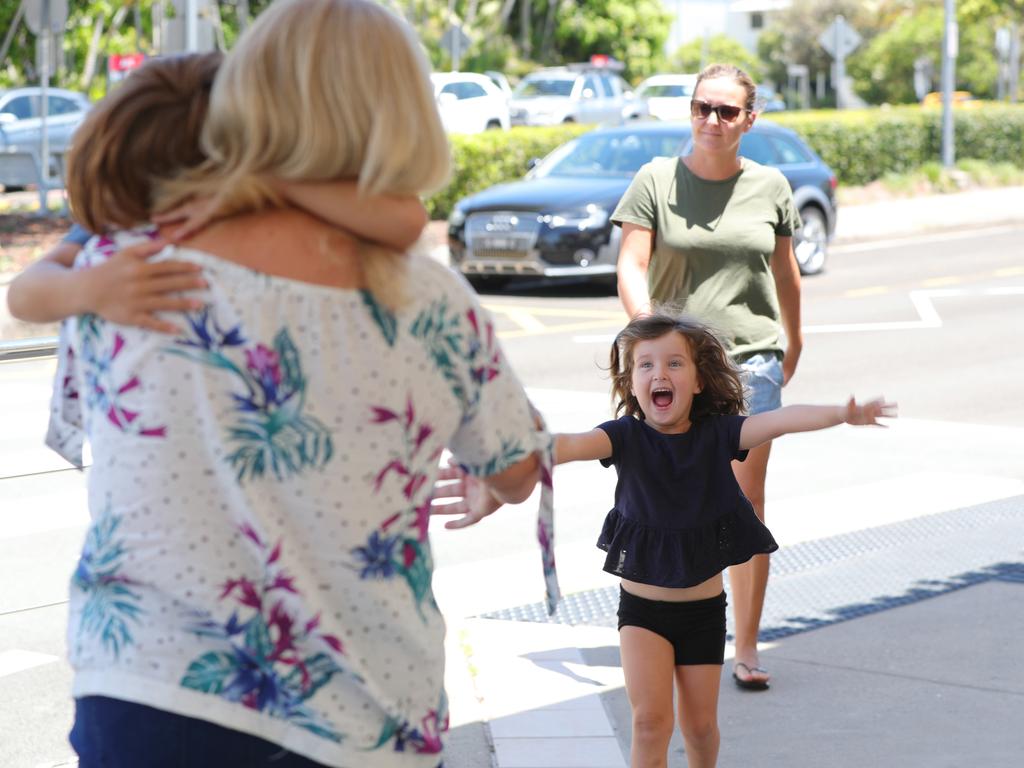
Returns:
point(634, 259)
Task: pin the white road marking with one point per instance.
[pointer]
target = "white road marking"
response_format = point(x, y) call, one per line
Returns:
point(12, 662)
point(928, 315)
point(881, 245)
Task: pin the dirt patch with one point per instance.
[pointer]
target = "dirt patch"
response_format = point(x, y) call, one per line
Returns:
point(24, 237)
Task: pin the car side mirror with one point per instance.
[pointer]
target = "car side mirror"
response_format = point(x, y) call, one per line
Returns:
point(588, 93)
point(532, 163)
point(447, 99)
point(7, 117)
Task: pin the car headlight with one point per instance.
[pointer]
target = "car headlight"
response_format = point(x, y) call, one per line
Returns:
point(456, 218)
point(591, 217)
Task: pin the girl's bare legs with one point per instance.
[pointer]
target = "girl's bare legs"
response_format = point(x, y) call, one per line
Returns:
point(749, 581)
point(698, 712)
point(648, 662)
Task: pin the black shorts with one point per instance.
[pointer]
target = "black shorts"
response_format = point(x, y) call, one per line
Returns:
point(695, 628)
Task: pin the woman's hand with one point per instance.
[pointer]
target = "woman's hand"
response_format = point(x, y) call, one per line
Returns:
point(130, 290)
point(869, 413)
point(463, 495)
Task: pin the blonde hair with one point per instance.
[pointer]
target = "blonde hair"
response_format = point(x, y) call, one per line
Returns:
point(319, 90)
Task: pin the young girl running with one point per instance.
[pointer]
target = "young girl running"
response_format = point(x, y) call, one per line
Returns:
point(679, 518)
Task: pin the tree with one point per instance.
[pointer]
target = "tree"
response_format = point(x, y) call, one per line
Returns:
point(633, 31)
point(792, 37)
point(883, 70)
point(696, 54)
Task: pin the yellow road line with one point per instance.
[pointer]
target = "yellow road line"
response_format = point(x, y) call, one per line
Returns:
point(548, 330)
point(874, 290)
point(505, 309)
point(527, 321)
point(935, 282)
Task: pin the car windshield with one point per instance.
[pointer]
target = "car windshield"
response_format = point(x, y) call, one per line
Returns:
point(534, 87)
point(609, 155)
point(666, 91)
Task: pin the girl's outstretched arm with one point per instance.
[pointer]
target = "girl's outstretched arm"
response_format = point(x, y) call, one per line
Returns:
point(762, 427)
point(395, 221)
point(582, 446)
point(127, 288)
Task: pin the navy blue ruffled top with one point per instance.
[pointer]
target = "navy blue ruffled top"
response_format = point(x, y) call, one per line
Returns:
point(679, 516)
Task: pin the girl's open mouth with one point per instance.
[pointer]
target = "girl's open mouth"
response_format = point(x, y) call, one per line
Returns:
point(662, 398)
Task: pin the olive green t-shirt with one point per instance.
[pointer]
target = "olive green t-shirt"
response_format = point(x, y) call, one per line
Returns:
point(713, 241)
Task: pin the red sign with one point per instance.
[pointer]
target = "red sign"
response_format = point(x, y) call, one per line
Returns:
point(122, 62)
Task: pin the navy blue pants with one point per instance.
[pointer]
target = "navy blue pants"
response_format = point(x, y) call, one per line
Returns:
point(110, 733)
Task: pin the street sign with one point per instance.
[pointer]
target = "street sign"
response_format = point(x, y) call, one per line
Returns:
point(120, 64)
point(34, 13)
point(840, 39)
point(455, 42)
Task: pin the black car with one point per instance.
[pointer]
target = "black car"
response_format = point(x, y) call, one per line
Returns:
point(555, 222)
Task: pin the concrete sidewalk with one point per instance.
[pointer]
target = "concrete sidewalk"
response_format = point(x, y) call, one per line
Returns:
point(895, 648)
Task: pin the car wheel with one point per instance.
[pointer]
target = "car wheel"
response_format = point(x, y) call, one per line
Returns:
point(810, 243)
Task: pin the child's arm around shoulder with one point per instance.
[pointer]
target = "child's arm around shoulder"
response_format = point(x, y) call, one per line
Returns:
point(762, 427)
point(582, 446)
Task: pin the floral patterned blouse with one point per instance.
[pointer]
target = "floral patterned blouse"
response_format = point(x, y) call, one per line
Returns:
point(260, 493)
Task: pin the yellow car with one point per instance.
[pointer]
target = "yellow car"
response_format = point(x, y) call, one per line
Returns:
point(960, 99)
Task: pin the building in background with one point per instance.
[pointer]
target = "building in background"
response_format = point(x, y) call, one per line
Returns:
point(742, 20)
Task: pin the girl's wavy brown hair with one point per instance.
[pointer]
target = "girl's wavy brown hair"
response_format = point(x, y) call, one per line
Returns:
point(721, 388)
point(145, 131)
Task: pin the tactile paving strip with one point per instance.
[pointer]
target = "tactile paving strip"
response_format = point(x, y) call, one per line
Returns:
point(822, 582)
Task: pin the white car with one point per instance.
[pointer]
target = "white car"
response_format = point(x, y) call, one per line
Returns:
point(469, 102)
point(668, 96)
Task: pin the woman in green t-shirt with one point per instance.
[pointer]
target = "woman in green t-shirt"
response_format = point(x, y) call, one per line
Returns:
point(711, 233)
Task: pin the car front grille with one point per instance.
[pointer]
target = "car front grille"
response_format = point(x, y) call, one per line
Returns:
point(502, 234)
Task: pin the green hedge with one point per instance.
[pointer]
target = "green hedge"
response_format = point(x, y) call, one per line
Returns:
point(484, 159)
point(859, 145)
point(864, 145)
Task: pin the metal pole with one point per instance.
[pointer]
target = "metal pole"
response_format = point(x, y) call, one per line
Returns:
point(1013, 83)
point(949, 54)
point(840, 64)
point(191, 26)
point(45, 36)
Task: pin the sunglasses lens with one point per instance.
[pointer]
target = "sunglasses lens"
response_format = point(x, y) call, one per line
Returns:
point(728, 113)
point(700, 109)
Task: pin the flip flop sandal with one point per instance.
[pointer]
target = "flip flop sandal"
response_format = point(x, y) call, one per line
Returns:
point(749, 685)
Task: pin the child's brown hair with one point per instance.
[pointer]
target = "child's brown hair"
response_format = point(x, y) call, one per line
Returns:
point(145, 131)
point(721, 388)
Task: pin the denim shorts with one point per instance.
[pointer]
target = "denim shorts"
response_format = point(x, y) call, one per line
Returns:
point(762, 382)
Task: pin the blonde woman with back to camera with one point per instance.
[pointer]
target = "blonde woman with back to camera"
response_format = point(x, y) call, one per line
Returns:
point(255, 586)
point(711, 233)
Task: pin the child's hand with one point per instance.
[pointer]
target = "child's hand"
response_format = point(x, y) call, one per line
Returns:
point(188, 218)
point(869, 413)
point(129, 289)
point(467, 496)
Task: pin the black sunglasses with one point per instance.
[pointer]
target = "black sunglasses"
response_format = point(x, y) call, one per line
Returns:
point(727, 113)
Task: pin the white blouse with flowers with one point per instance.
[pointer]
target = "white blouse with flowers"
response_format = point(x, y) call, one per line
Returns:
point(260, 491)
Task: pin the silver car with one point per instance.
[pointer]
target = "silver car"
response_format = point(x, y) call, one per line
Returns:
point(21, 127)
point(579, 93)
